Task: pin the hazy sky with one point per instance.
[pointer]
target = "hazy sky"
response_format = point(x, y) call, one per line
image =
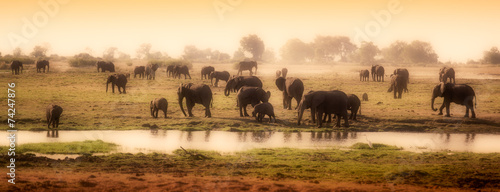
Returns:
point(458, 30)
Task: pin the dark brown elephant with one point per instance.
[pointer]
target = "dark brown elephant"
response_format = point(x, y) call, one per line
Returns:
point(41, 64)
point(253, 96)
point(364, 75)
point(16, 66)
point(365, 97)
point(205, 71)
point(170, 70)
point(195, 93)
point(378, 73)
point(234, 84)
point(446, 73)
point(105, 66)
point(219, 75)
point(53, 114)
point(158, 104)
point(140, 70)
point(292, 88)
point(324, 102)
point(461, 94)
point(151, 71)
point(181, 70)
point(284, 72)
point(398, 85)
point(247, 65)
point(353, 104)
point(403, 72)
point(120, 80)
point(262, 109)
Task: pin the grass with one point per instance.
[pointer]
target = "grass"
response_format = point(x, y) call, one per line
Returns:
point(81, 93)
point(77, 147)
point(360, 164)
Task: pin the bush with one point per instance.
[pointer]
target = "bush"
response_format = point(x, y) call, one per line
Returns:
point(4, 65)
point(24, 59)
point(82, 60)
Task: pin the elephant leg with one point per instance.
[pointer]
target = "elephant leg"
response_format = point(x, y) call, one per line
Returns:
point(113, 87)
point(313, 113)
point(216, 82)
point(346, 121)
point(241, 111)
point(320, 116)
point(395, 96)
point(245, 111)
point(441, 108)
point(124, 91)
point(189, 106)
point(165, 113)
point(207, 110)
point(447, 109)
point(472, 110)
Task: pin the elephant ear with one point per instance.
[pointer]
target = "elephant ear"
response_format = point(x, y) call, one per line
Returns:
point(280, 83)
point(442, 88)
point(268, 94)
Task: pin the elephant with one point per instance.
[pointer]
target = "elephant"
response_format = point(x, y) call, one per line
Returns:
point(446, 73)
point(158, 104)
point(205, 71)
point(219, 75)
point(247, 65)
point(378, 73)
point(353, 104)
point(151, 71)
point(170, 70)
point(292, 88)
point(461, 94)
point(237, 82)
point(328, 102)
point(181, 70)
point(251, 95)
point(195, 93)
point(364, 75)
point(398, 85)
point(365, 97)
point(105, 66)
point(42, 64)
point(284, 72)
point(15, 65)
point(53, 114)
point(278, 73)
point(139, 70)
point(403, 72)
point(262, 109)
point(120, 80)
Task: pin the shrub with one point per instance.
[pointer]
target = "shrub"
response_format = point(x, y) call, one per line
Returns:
point(82, 60)
point(24, 59)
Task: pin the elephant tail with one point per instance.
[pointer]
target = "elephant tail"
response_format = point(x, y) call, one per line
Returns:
point(359, 109)
point(212, 103)
point(475, 101)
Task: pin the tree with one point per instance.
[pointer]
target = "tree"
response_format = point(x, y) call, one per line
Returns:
point(191, 53)
point(328, 48)
point(394, 53)
point(269, 56)
point(239, 54)
point(109, 54)
point(492, 56)
point(295, 50)
point(17, 52)
point(144, 51)
point(123, 56)
point(367, 52)
point(254, 45)
point(420, 52)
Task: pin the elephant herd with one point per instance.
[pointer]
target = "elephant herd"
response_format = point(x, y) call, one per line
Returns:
point(249, 90)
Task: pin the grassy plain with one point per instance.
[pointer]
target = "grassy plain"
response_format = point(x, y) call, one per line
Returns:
point(87, 106)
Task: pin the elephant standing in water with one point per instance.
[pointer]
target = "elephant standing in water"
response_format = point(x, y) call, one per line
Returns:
point(247, 65)
point(253, 96)
point(120, 80)
point(292, 88)
point(205, 71)
point(151, 71)
point(15, 66)
point(446, 73)
point(378, 73)
point(139, 70)
point(398, 84)
point(324, 102)
point(53, 114)
point(105, 66)
point(364, 75)
point(461, 94)
point(199, 93)
point(234, 84)
point(219, 75)
point(41, 64)
point(158, 104)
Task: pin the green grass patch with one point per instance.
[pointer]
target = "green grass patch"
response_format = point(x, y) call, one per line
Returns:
point(77, 147)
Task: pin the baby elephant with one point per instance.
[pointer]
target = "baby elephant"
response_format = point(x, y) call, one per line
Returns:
point(53, 114)
point(263, 109)
point(158, 104)
point(365, 97)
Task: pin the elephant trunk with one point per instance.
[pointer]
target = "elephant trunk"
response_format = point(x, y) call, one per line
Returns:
point(180, 104)
point(301, 109)
point(107, 83)
point(226, 91)
point(432, 103)
point(48, 68)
